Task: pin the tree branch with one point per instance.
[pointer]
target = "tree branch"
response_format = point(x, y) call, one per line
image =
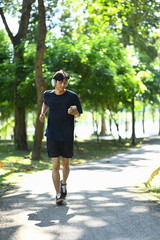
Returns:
point(6, 26)
point(26, 9)
point(42, 24)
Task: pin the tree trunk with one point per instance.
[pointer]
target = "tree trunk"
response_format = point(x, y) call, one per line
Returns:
point(126, 124)
point(40, 83)
point(117, 127)
point(133, 123)
point(103, 126)
point(110, 124)
point(153, 114)
point(20, 136)
point(143, 117)
point(93, 121)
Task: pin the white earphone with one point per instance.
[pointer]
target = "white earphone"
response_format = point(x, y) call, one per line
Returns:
point(53, 82)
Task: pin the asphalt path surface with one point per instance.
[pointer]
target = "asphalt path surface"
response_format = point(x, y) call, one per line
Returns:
point(105, 201)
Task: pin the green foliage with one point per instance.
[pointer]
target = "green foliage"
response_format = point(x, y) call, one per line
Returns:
point(51, 9)
point(132, 21)
point(12, 7)
point(62, 54)
point(150, 77)
point(27, 88)
point(100, 70)
point(33, 27)
point(8, 125)
point(110, 76)
point(94, 50)
point(6, 76)
point(99, 29)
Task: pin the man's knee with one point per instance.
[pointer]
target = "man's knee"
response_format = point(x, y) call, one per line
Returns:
point(66, 163)
point(56, 164)
point(66, 168)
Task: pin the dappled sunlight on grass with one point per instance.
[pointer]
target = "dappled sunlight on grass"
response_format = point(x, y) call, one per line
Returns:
point(16, 164)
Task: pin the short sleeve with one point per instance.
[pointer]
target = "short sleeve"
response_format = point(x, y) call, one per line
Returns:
point(45, 97)
point(78, 103)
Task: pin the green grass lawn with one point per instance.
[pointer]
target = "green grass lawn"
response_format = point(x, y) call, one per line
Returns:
point(16, 164)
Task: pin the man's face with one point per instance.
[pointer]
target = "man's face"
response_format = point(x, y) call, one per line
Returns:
point(61, 85)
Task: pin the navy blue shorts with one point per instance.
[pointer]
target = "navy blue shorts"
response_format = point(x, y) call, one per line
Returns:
point(58, 148)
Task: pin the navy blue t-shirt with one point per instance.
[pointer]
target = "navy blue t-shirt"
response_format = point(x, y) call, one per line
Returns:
point(60, 125)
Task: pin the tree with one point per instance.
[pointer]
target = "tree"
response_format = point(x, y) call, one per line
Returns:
point(105, 78)
point(133, 21)
point(40, 83)
point(18, 44)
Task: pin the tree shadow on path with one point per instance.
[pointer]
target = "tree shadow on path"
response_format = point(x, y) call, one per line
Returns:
point(51, 215)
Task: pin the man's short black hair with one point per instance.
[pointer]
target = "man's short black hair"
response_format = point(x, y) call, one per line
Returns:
point(61, 75)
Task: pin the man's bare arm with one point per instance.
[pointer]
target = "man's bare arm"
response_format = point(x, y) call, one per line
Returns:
point(43, 112)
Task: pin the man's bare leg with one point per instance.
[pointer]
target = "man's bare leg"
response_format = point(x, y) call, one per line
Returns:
point(66, 169)
point(56, 174)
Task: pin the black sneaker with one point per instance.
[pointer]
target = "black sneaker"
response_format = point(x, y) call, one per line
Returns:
point(63, 190)
point(59, 198)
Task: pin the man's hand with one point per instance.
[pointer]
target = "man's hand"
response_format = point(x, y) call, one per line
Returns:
point(73, 110)
point(42, 117)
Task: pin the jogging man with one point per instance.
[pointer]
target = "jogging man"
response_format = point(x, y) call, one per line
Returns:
point(64, 105)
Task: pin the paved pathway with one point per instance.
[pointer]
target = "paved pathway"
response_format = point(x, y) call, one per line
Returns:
point(103, 202)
